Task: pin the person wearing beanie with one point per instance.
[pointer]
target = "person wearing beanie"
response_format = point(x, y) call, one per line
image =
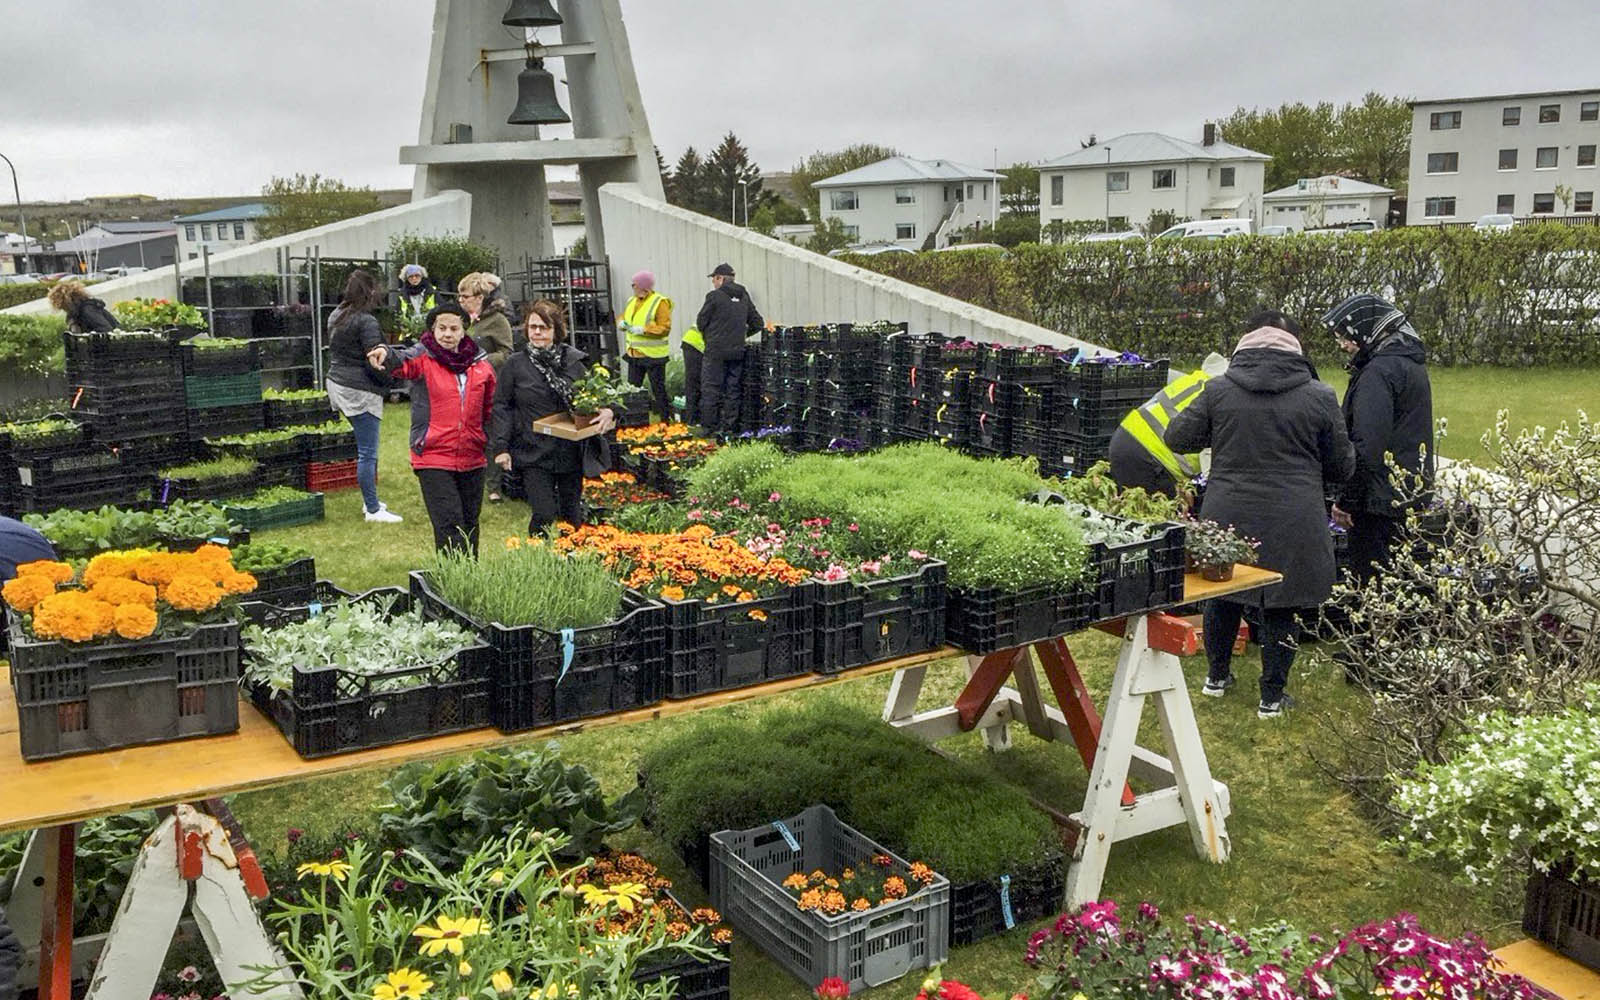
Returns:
point(1277, 439)
point(417, 294)
point(646, 327)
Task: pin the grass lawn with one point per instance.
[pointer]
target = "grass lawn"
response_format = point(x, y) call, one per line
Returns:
point(1300, 851)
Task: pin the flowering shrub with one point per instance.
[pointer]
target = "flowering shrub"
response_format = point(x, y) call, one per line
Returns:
point(123, 594)
point(870, 883)
point(618, 489)
point(696, 564)
point(1518, 788)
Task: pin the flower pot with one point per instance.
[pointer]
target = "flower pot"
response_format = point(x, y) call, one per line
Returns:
point(582, 420)
point(1217, 572)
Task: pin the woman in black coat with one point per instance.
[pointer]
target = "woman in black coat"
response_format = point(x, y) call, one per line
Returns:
point(1276, 437)
point(537, 382)
point(354, 388)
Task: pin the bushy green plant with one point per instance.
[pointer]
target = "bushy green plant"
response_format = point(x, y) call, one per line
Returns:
point(256, 437)
point(445, 809)
point(328, 427)
point(76, 534)
point(156, 314)
point(272, 496)
point(31, 344)
point(736, 772)
point(446, 258)
point(189, 520)
point(205, 344)
point(1095, 488)
point(528, 585)
point(258, 557)
point(294, 395)
point(215, 468)
point(50, 429)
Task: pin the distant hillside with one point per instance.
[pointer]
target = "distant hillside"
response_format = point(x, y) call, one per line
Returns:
point(48, 215)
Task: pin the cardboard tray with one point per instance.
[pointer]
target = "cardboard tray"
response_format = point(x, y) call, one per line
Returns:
point(560, 425)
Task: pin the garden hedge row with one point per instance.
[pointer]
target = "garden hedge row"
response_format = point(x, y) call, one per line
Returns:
point(16, 295)
point(1524, 297)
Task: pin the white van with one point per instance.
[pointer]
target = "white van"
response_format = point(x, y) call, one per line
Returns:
point(1210, 228)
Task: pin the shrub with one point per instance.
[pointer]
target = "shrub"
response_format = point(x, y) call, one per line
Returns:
point(16, 295)
point(446, 258)
point(31, 343)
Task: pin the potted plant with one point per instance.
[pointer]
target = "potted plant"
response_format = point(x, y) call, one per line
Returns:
point(598, 390)
point(1213, 549)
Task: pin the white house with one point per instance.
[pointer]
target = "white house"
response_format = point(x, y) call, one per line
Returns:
point(1321, 202)
point(903, 200)
point(223, 229)
point(1124, 180)
point(1518, 154)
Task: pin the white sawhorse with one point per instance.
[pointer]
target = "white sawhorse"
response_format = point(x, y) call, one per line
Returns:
point(188, 850)
point(1182, 789)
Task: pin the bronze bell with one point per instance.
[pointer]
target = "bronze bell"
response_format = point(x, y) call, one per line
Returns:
point(536, 98)
point(531, 14)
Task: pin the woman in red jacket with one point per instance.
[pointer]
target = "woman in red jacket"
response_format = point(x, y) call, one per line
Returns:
point(452, 398)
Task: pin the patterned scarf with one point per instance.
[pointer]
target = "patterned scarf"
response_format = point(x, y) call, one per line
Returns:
point(549, 361)
point(458, 360)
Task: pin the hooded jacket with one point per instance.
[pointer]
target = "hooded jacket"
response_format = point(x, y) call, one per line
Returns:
point(726, 319)
point(450, 414)
point(1388, 410)
point(1276, 437)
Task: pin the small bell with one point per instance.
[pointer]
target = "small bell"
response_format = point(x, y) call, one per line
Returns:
point(531, 14)
point(536, 98)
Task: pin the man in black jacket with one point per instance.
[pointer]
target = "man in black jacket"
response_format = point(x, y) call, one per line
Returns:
point(1388, 411)
point(726, 319)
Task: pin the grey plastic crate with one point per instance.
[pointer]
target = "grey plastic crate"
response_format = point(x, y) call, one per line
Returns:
point(864, 949)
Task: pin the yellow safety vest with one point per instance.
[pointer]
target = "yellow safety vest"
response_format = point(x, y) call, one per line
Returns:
point(692, 337)
point(1148, 424)
point(638, 313)
point(407, 310)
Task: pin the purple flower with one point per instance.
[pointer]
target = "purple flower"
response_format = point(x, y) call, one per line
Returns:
point(294, 834)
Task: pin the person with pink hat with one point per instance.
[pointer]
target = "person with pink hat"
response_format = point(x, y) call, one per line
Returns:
point(646, 327)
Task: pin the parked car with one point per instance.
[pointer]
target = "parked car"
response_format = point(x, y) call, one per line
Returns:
point(870, 250)
point(970, 246)
point(1209, 228)
point(1498, 222)
point(1274, 231)
point(1361, 226)
point(1117, 237)
point(123, 272)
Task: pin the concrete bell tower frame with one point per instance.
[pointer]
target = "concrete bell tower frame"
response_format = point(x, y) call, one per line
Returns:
point(472, 81)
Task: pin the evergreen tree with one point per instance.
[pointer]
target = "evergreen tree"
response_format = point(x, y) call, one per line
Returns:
point(686, 181)
point(728, 165)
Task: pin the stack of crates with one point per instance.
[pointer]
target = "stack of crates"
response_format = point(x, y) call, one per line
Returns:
point(1090, 398)
point(222, 389)
point(128, 390)
point(583, 287)
point(925, 387)
point(822, 377)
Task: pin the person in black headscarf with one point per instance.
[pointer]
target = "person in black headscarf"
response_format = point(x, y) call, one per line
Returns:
point(535, 382)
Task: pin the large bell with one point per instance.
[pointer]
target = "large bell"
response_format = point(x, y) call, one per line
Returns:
point(536, 98)
point(531, 14)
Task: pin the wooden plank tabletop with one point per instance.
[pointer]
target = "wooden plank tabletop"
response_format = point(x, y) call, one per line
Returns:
point(71, 789)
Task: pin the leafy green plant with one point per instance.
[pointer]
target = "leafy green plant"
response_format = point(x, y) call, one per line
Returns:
point(256, 437)
point(445, 809)
point(359, 637)
point(16, 295)
point(272, 496)
point(1096, 489)
point(215, 468)
point(528, 585)
point(257, 557)
point(599, 389)
point(189, 520)
point(31, 344)
point(208, 344)
point(76, 534)
point(446, 258)
point(330, 427)
point(294, 395)
point(49, 430)
point(156, 314)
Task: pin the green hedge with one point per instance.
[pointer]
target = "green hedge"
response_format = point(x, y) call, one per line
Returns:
point(16, 295)
point(1476, 298)
point(31, 343)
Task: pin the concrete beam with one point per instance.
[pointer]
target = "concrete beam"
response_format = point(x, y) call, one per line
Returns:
point(527, 152)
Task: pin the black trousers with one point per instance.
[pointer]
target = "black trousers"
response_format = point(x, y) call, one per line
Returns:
point(1279, 634)
point(656, 369)
point(552, 497)
point(1372, 540)
point(691, 384)
point(721, 392)
point(453, 500)
point(1133, 466)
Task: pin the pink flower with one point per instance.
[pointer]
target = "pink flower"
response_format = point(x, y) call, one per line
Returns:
point(775, 497)
point(189, 974)
point(295, 833)
point(696, 515)
point(832, 988)
point(834, 573)
point(919, 556)
point(854, 527)
point(872, 568)
point(1407, 983)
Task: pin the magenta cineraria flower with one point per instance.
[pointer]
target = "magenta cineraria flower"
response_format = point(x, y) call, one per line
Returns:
point(1170, 969)
point(1449, 968)
point(1097, 915)
point(1405, 944)
point(1407, 983)
point(1316, 986)
point(1147, 911)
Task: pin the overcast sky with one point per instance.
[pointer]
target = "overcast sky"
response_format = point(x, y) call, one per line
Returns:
point(213, 97)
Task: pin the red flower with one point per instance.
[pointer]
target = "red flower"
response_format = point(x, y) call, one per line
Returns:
point(832, 988)
point(949, 989)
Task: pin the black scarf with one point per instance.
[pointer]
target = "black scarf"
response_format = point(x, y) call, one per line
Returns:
point(548, 361)
point(458, 360)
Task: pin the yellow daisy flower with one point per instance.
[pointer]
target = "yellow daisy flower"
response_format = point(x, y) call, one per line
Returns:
point(448, 934)
point(402, 983)
point(336, 870)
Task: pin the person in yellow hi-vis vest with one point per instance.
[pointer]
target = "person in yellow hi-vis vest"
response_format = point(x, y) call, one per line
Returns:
point(1138, 455)
point(646, 327)
point(694, 352)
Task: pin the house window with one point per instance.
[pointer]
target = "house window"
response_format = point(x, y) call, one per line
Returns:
point(1058, 185)
point(1511, 116)
point(1546, 158)
point(205, 231)
point(1586, 156)
point(969, 190)
point(1508, 159)
point(1505, 204)
point(188, 233)
point(852, 232)
point(1440, 120)
point(1165, 178)
point(222, 231)
point(1549, 114)
point(1116, 180)
point(1438, 208)
point(843, 201)
point(1227, 177)
point(905, 196)
point(192, 255)
point(238, 230)
point(1544, 204)
point(1589, 111)
point(905, 230)
point(1443, 163)
point(1583, 201)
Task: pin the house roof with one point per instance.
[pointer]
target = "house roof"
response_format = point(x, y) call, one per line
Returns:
point(233, 213)
point(86, 244)
point(1506, 97)
point(904, 170)
point(1149, 147)
point(136, 226)
point(1322, 187)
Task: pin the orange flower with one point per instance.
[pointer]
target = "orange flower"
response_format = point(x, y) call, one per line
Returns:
point(157, 568)
point(213, 553)
point(72, 615)
point(670, 593)
point(239, 583)
point(833, 902)
point(118, 591)
point(58, 572)
point(894, 887)
point(134, 621)
point(193, 592)
point(795, 881)
point(25, 592)
point(758, 615)
point(922, 873)
point(109, 565)
point(811, 899)
point(860, 904)
point(731, 589)
point(722, 935)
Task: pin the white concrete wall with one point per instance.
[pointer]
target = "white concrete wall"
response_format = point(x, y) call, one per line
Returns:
point(444, 214)
point(788, 284)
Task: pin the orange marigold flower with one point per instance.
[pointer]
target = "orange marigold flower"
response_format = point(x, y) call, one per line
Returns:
point(860, 903)
point(677, 929)
point(157, 568)
point(922, 873)
point(25, 592)
point(894, 887)
point(211, 552)
point(192, 592)
point(698, 531)
point(72, 615)
point(671, 593)
point(847, 874)
point(119, 590)
point(744, 597)
point(134, 621)
point(758, 615)
point(795, 881)
point(108, 565)
point(58, 572)
point(722, 935)
point(833, 902)
point(811, 899)
point(705, 915)
point(239, 583)
point(731, 589)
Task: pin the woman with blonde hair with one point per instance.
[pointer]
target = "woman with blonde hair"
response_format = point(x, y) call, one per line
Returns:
point(84, 314)
point(491, 331)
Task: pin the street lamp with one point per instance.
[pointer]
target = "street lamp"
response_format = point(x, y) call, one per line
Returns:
point(744, 188)
point(1108, 189)
point(26, 259)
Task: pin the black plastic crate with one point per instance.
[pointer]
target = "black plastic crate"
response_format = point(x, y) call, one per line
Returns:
point(115, 490)
point(63, 442)
point(331, 711)
point(1020, 365)
point(84, 463)
point(166, 489)
point(336, 447)
point(224, 421)
point(287, 586)
point(1092, 419)
point(986, 620)
point(697, 978)
point(232, 323)
point(206, 391)
point(138, 394)
point(932, 351)
point(901, 417)
point(109, 350)
point(716, 647)
point(861, 623)
point(1565, 914)
point(1110, 381)
point(993, 906)
point(539, 678)
point(275, 353)
point(169, 420)
point(295, 412)
point(82, 697)
point(1064, 454)
point(233, 360)
point(1139, 576)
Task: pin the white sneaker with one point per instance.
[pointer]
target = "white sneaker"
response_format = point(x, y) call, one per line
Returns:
point(383, 515)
